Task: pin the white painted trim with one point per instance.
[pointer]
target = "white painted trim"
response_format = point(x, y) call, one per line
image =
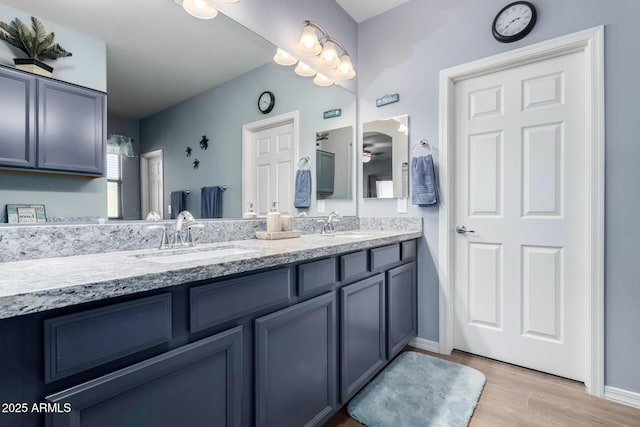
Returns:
point(423, 344)
point(144, 181)
point(247, 133)
point(591, 42)
point(625, 397)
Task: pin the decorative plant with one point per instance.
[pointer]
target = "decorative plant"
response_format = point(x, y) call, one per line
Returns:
point(35, 42)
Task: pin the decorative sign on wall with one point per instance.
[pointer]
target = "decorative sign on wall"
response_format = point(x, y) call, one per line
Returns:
point(336, 112)
point(387, 99)
point(26, 214)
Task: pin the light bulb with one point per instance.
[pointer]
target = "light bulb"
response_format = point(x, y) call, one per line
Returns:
point(345, 69)
point(309, 44)
point(366, 157)
point(199, 9)
point(322, 80)
point(304, 70)
point(284, 58)
point(329, 56)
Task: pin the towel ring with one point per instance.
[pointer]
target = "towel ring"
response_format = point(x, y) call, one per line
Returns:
point(303, 161)
point(424, 144)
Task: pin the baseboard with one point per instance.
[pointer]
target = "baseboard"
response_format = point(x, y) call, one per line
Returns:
point(625, 397)
point(424, 344)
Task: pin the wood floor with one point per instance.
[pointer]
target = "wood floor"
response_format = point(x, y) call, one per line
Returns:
point(515, 396)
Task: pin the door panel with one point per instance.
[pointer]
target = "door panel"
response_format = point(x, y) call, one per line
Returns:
point(519, 285)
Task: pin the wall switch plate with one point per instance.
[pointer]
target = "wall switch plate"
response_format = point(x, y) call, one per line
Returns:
point(403, 206)
point(321, 207)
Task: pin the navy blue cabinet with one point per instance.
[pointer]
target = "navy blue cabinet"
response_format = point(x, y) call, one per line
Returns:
point(50, 125)
point(197, 385)
point(296, 358)
point(17, 118)
point(71, 128)
point(363, 333)
point(401, 307)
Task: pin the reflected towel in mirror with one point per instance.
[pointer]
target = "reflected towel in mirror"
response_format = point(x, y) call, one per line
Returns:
point(425, 185)
point(211, 204)
point(178, 203)
point(302, 198)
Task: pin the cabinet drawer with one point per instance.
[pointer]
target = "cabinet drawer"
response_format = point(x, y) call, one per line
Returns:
point(317, 276)
point(81, 341)
point(384, 257)
point(220, 302)
point(409, 250)
point(353, 265)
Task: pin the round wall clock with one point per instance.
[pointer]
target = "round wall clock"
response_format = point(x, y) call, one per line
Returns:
point(266, 102)
point(514, 21)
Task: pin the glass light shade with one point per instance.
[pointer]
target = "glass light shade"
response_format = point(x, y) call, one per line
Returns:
point(231, 1)
point(322, 80)
point(284, 58)
point(366, 157)
point(304, 70)
point(309, 44)
point(345, 69)
point(200, 9)
point(329, 56)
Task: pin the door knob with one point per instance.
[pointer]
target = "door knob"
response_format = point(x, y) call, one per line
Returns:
point(461, 229)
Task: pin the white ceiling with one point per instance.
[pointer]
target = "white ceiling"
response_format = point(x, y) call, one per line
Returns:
point(361, 10)
point(157, 55)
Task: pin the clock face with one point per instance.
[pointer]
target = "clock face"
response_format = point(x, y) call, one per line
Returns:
point(266, 102)
point(514, 21)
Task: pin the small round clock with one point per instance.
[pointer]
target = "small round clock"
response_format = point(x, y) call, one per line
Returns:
point(266, 102)
point(514, 21)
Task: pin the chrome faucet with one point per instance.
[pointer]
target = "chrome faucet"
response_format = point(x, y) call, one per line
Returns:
point(184, 218)
point(328, 226)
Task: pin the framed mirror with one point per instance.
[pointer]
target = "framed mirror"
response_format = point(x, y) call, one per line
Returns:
point(334, 164)
point(385, 158)
point(181, 99)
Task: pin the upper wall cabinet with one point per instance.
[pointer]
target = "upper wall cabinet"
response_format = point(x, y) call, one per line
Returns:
point(17, 119)
point(64, 124)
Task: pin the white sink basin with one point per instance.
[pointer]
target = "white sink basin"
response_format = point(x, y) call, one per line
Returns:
point(194, 255)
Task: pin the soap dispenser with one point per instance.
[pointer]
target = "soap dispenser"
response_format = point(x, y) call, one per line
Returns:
point(274, 219)
point(250, 213)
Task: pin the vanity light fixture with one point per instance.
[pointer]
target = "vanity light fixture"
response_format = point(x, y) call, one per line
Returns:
point(304, 70)
point(326, 48)
point(322, 80)
point(284, 58)
point(200, 9)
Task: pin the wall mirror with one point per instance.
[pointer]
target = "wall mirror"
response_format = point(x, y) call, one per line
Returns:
point(385, 158)
point(170, 82)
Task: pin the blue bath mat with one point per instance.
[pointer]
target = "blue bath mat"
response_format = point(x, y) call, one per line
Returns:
point(417, 390)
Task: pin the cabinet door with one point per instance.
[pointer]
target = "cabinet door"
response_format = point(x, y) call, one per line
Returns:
point(17, 119)
point(71, 128)
point(296, 357)
point(363, 337)
point(401, 307)
point(198, 385)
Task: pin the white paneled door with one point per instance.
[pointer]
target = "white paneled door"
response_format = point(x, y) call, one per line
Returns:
point(520, 210)
point(272, 163)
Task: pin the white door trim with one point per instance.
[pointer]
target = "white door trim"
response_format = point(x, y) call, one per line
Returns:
point(144, 180)
point(591, 42)
point(247, 132)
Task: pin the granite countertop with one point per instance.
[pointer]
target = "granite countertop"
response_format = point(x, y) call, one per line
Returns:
point(38, 285)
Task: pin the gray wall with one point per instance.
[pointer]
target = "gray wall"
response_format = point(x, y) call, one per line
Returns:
point(130, 165)
point(437, 34)
point(220, 114)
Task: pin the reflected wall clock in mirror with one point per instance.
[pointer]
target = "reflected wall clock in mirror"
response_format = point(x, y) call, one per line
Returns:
point(514, 21)
point(266, 102)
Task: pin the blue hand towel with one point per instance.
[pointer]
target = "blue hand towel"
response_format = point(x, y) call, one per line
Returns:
point(302, 198)
point(425, 185)
point(211, 203)
point(178, 203)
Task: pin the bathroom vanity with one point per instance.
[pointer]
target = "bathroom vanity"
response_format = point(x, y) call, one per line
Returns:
point(265, 334)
